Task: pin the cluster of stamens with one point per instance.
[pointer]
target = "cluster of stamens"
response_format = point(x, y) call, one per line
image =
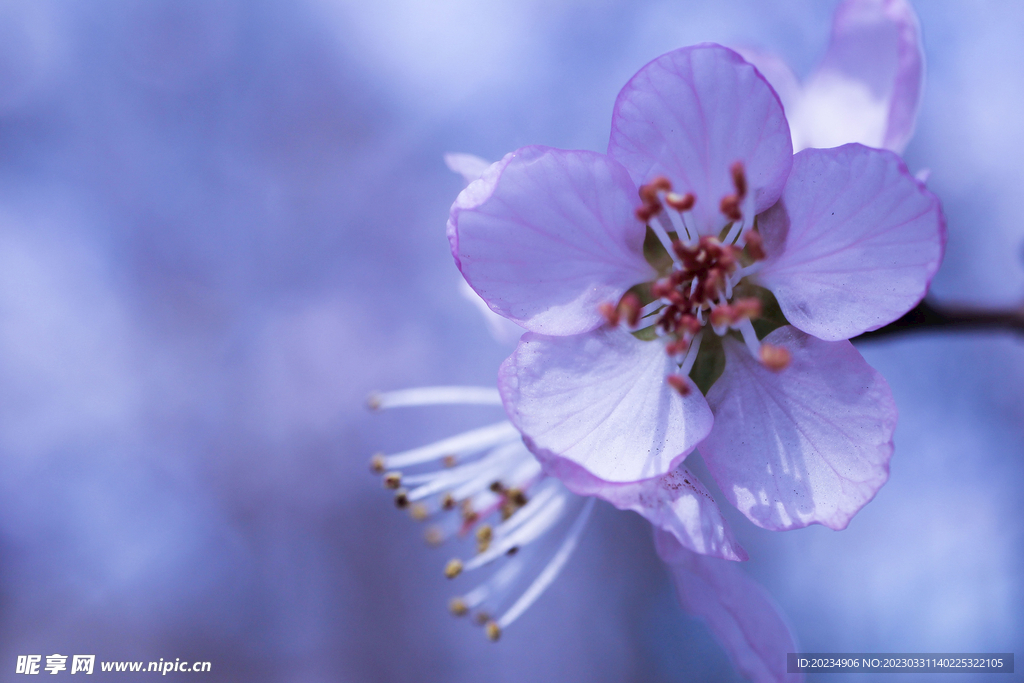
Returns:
point(698, 290)
point(489, 489)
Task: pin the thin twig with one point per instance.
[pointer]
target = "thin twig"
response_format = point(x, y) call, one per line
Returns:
point(929, 316)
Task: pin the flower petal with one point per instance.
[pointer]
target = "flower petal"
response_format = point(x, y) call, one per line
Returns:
point(546, 236)
point(600, 400)
point(868, 87)
point(776, 72)
point(679, 504)
point(853, 243)
point(741, 614)
point(809, 444)
point(469, 166)
point(689, 115)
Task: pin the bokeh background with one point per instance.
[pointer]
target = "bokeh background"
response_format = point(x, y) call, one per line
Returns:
point(221, 226)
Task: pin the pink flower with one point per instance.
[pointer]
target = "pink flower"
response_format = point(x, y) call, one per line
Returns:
point(724, 323)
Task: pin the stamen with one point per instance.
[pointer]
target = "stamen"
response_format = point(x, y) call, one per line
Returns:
point(377, 463)
point(457, 606)
point(610, 313)
point(453, 568)
point(679, 384)
point(754, 245)
point(746, 328)
point(551, 571)
point(392, 480)
point(493, 631)
point(428, 396)
point(651, 308)
point(691, 356)
point(541, 522)
point(467, 442)
point(775, 358)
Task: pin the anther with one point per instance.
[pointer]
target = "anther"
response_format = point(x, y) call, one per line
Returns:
point(392, 480)
point(497, 487)
point(679, 384)
point(401, 498)
point(458, 607)
point(749, 308)
point(775, 358)
point(517, 496)
point(680, 202)
point(493, 631)
point(419, 512)
point(646, 213)
point(677, 347)
point(722, 316)
point(610, 313)
point(512, 551)
point(450, 461)
point(481, 618)
point(629, 308)
point(739, 179)
point(730, 206)
point(448, 501)
point(377, 463)
point(453, 568)
point(373, 401)
point(433, 535)
point(483, 538)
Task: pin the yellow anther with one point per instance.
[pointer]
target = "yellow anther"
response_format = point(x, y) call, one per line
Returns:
point(775, 358)
point(377, 463)
point(392, 480)
point(458, 607)
point(453, 568)
point(419, 512)
point(484, 533)
point(493, 631)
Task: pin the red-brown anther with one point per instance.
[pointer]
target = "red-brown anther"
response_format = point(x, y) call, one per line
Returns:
point(689, 323)
point(722, 315)
point(680, 202)
point(749, 308)
point(775, 358)
point(646, 212)
point(739, 179)
point(662, 288)
point(610, 313)
point(677, 347)
point(661, 183)
point(755, 245)
point(730, 206)
point(679, 384)
point(629, 309)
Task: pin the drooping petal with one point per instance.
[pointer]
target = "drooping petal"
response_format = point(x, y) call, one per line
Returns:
point(677, 502)
point(600, 400)
point(469, 166)
point(741, 614)
point(502, 329)
point(868, 87)
point(809, 444)
point(689, 115)
point(853, 243)
point(546, 236)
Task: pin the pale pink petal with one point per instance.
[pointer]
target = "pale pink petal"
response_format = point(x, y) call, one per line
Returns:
point(741, 614)
point(776, 72)
point(853, 243)
point(689, 115)
point(868, 87)
point(470, 167)
point(809, 444)
point(600, 400)
point(546, 236)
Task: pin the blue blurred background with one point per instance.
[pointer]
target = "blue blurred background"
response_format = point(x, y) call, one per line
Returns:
point(222, 225)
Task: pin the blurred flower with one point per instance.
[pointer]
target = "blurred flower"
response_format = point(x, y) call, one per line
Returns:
point(868, 87)
point(815, 248)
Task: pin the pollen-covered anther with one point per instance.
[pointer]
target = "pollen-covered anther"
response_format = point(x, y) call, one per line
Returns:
point(401, 498)
point(419, 512)
point(678, 347)
point(679, 383)
point(453, 568)
point(730, 206)
point(746, 309)
point(680, 202)
point(483, 538)
point(629, 309)
point(722, 315)
point(458, 607)
point(392, 480)
point(493, 631)
point(448, 502)
point(378, 463)
point(739, 178)
point(775, 358)
point(610, 313)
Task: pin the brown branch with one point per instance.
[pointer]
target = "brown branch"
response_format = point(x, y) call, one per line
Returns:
point(929, 316)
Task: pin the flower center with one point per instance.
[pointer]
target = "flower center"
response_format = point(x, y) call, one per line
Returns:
point(700, 285)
